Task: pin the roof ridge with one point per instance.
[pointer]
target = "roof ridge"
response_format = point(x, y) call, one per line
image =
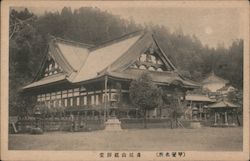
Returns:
point(70, 42)
point(118, 39)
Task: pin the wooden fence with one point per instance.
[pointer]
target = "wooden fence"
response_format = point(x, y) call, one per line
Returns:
point(66, 124)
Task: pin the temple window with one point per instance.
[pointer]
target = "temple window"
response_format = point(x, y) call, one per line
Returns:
point(92, 99)
point(59, 102)
point(53, 96)
point(77, 101)
point(54, 103)
point(65, 102)
point(64, 94)
point(38, 98)
point(58, 95)
point(85, 100)
point(47, 103)
point(97, 99)
point(70, 93)
point(76, 92)
point(71, 101)
point(48, 96)
point(43, 97)
point(103, 97)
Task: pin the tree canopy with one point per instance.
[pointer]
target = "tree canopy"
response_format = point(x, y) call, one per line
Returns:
point(144, 94)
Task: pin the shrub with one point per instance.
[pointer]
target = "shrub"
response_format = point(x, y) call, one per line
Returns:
point(36, 131)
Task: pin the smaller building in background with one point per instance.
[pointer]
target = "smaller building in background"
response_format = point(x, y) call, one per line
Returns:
point(216, 87)
point(226, 89)
point(197, 106)
point(213, 83)
point(224, 113)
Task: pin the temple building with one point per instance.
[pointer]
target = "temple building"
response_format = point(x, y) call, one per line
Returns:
point(198, 103)
point(88, 79)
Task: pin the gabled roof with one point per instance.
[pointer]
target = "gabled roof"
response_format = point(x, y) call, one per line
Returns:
point(47, 80)
point(212, 78)
point(223, 104)
point(102, 57)
point(198, 98)
point(82, 62)
point(68, 53)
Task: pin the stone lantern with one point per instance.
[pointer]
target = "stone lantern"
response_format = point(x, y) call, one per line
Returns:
point(37, 115)
point(195, 113)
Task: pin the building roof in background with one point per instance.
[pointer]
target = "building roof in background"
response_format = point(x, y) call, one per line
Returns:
point(223, 104)
point(212, 78)
point(198, 98)
point(226, 88)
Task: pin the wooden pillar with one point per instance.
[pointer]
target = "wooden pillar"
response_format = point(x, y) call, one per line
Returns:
point(85, 115)
point(105, 97)
point(200, 111)
point(233, 118)
point(215, 118)
point(226, 122)
point(93, 115)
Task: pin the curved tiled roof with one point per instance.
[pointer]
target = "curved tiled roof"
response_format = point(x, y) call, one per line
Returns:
point(101, 58)
point(198, 98)
point(223, 104)
point(81, 62)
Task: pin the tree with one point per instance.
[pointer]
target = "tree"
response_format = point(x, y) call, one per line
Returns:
point(145, 95)
point(176, 107)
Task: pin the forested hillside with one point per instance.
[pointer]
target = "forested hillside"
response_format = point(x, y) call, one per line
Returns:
point(28, 42)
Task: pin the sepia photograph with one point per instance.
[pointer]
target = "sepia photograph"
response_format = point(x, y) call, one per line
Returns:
point(125, 80)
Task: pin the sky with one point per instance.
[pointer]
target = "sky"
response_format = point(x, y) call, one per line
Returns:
point(212, 25)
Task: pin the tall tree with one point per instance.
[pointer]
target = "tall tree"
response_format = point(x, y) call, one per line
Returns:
point(145, 95)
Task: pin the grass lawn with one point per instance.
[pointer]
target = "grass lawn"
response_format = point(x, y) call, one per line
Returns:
point(204, 139)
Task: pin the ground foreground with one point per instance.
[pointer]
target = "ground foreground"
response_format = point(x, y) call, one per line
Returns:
point(204, 139)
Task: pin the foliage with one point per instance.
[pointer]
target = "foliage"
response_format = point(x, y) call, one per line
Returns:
point(236, 97)
point(144, 94)
point(173, 101)
point(36, 131)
